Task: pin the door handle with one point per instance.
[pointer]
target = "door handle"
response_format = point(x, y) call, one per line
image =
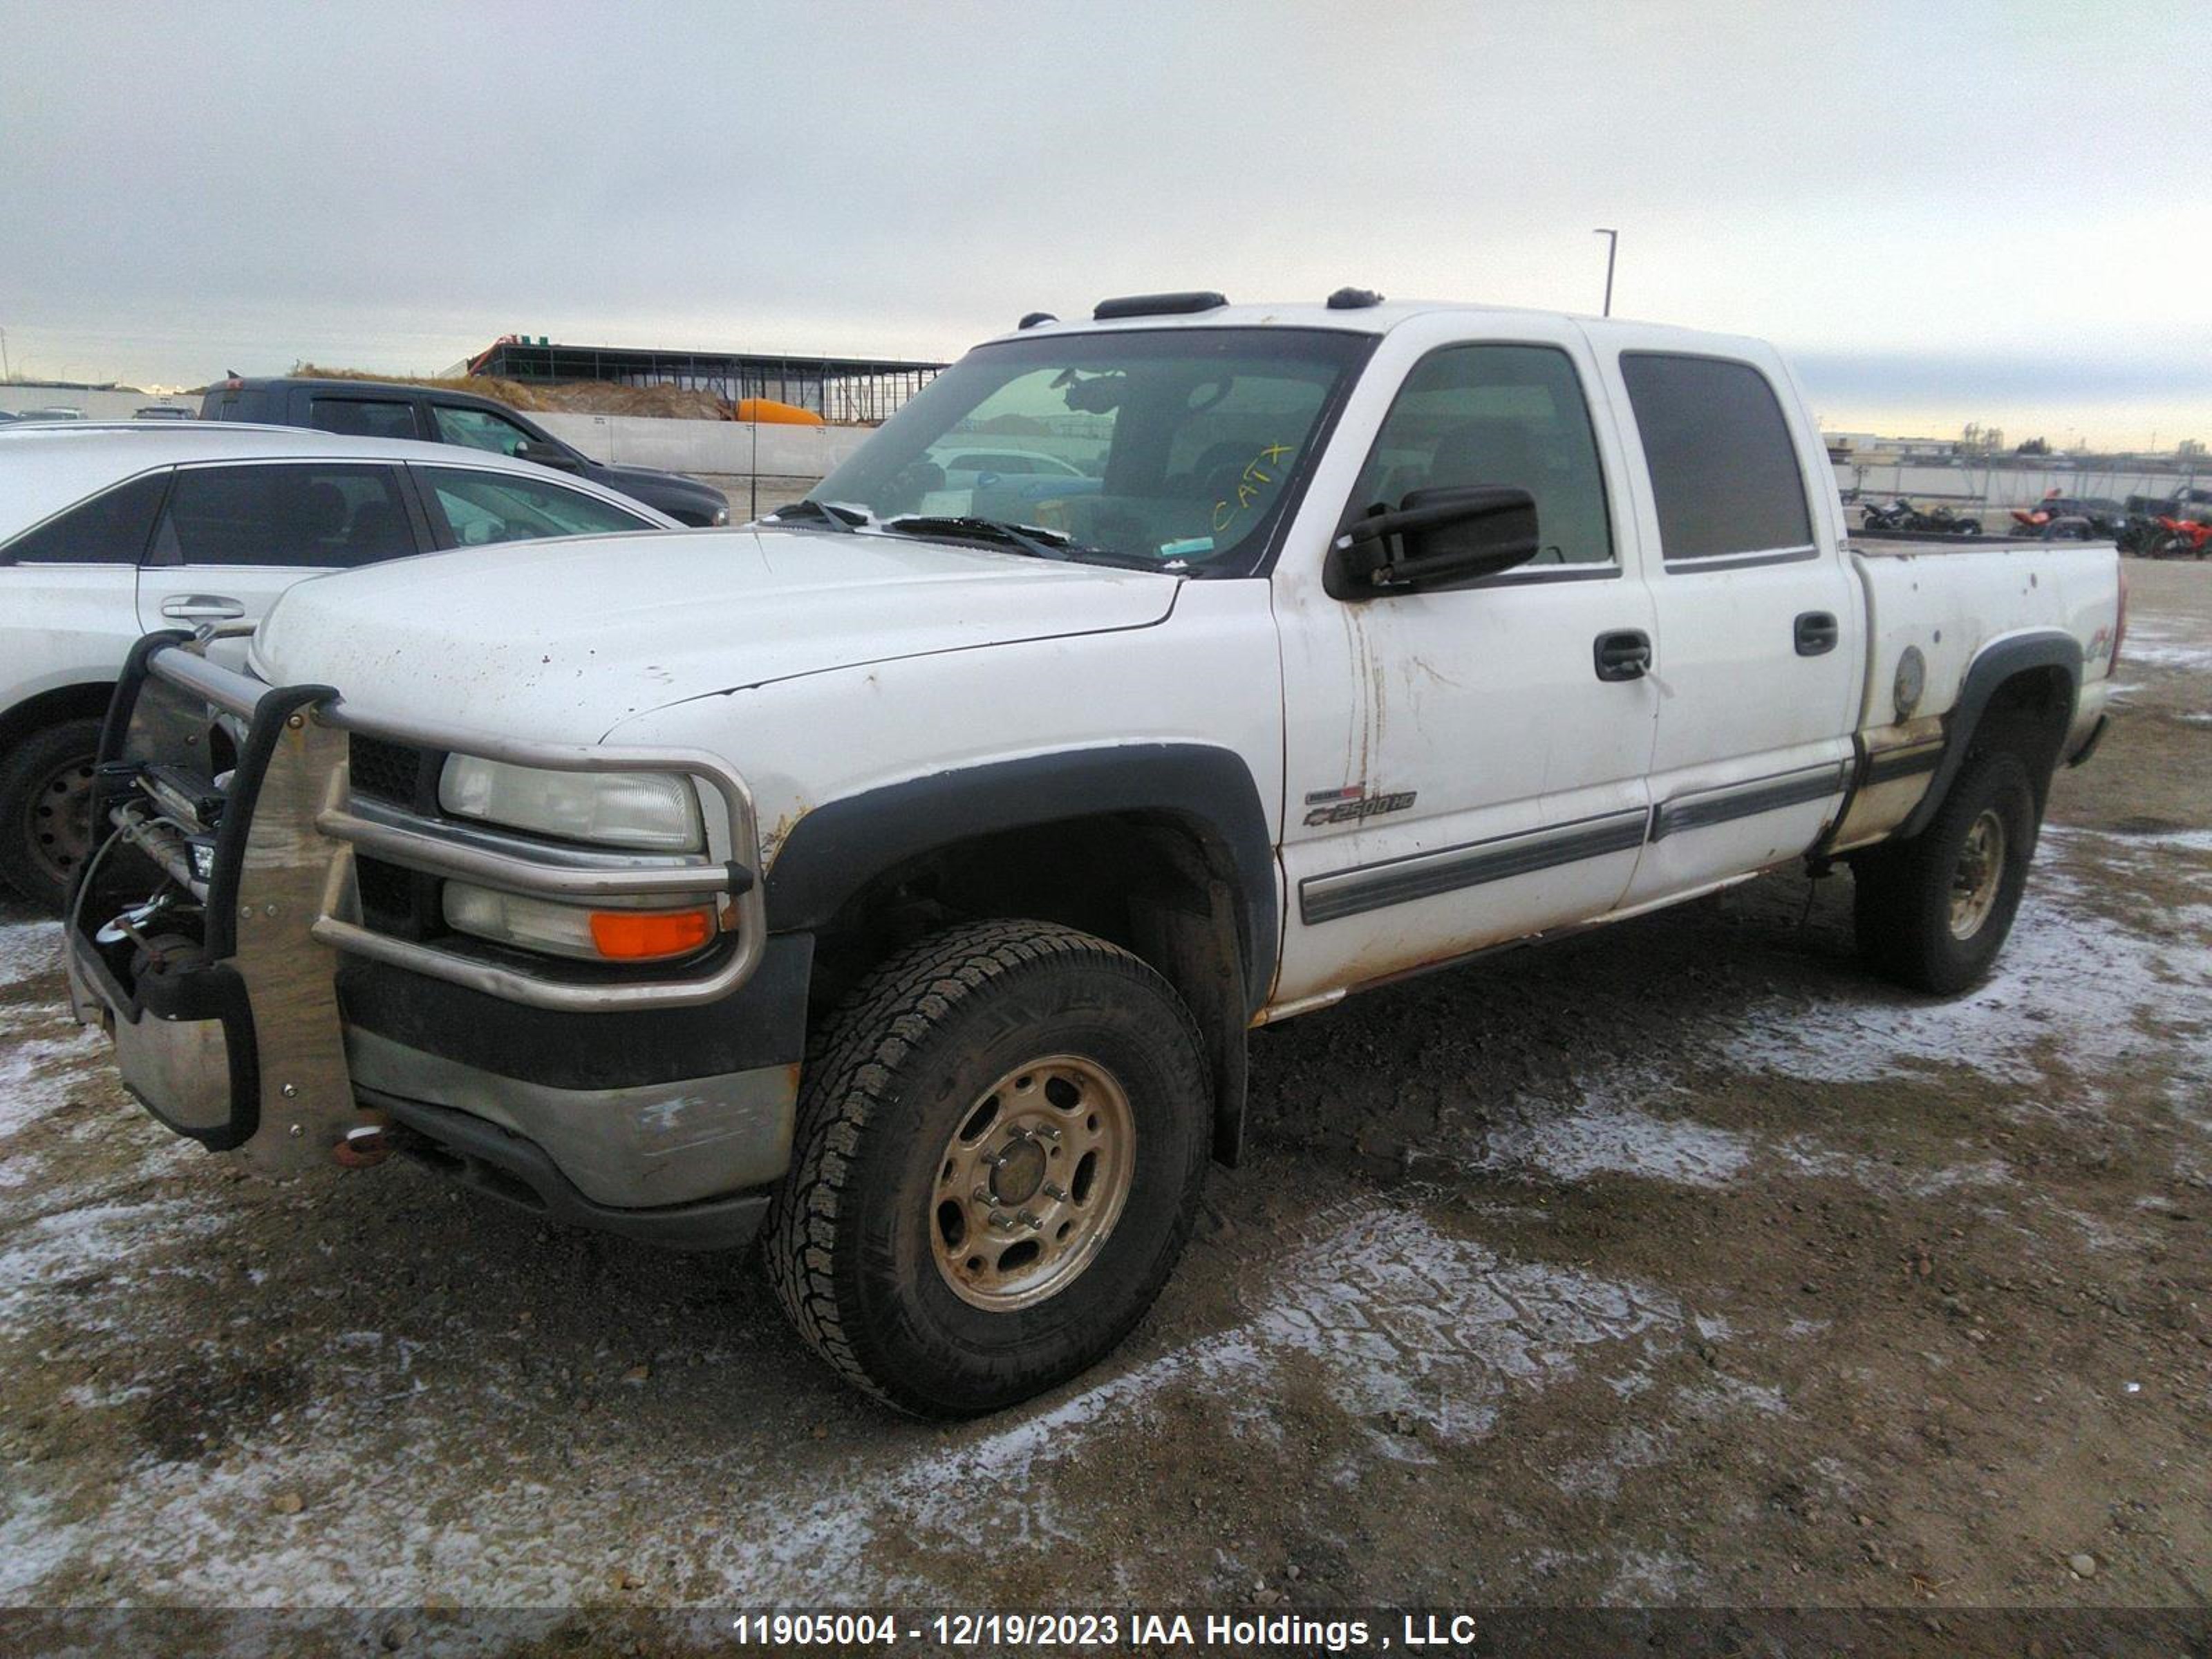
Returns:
point(202, 607)
point(1816, 633)
point(1623, 655)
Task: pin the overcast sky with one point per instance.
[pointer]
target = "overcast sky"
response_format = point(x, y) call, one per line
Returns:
point(1944, 213)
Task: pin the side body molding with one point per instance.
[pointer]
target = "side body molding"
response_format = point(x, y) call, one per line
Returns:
point(1996, 663)
point(837, 850)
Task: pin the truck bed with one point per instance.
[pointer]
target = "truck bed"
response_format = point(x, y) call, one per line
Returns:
point(1904, 543)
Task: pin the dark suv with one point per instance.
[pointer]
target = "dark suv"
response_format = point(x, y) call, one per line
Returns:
point(378, 408)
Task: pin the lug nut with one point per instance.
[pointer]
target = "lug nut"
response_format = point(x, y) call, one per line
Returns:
point(1030, 1221)
point(1056, 1193)
point(1003, 1222)
point(1046, 1132)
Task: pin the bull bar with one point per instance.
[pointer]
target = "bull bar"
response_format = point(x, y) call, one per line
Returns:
point(239, 1044)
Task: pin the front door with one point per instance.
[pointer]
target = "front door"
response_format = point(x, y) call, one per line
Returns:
point(1468, 766)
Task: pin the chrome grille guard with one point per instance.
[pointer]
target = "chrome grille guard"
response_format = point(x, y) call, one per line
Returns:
point(294, 763)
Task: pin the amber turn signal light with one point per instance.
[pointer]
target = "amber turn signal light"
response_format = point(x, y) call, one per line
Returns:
point(632, 935)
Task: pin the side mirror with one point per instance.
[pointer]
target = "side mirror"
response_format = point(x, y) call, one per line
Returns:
point(1437, 537)
point(547, 454)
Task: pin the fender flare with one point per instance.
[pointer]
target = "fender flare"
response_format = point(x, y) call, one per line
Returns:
point(1992, 667)
point(842, 845)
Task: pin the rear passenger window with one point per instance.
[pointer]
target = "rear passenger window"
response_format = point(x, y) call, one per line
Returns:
point(110, 528)
point(362, 418)
point(1724, 474)
point(303, 514)
point(1510, 415)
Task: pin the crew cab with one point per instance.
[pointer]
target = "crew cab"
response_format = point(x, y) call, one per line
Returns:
point(380, 409)
point(898, 879)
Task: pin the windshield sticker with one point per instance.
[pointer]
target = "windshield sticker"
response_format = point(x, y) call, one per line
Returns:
point(1185, 548)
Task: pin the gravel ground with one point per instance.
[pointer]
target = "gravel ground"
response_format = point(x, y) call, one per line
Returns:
point(1678, 1264)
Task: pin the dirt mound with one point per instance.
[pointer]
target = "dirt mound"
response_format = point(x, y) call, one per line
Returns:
point(571, 397)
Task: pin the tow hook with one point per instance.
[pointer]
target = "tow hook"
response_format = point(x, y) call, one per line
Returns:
point(364, 1148)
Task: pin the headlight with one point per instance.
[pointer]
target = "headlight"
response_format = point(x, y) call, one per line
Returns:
point(652, 812)
point(611, 931)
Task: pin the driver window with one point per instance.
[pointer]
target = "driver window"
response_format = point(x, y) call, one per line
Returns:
point(1506, 415)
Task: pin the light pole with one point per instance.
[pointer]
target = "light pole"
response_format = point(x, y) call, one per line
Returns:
point(1612, 248)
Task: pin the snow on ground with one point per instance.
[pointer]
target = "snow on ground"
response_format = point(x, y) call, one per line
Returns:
point(2073, 985)
point(2071, 979)
point(2163, 645)
point(1600, 1136)
point(27, 950)
point(1416, 1331)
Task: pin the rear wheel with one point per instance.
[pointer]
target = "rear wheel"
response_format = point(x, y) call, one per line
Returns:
point(46, 809)
point(1000, 1142)
point(1933, 912)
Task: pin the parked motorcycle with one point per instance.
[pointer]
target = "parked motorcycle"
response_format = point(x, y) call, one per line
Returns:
point(2142, 532)
point(1901, 514)
point(2182, 538)
point(2072, 519)
point(1944, 519)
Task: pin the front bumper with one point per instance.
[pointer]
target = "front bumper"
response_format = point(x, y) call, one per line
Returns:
point(227, 998)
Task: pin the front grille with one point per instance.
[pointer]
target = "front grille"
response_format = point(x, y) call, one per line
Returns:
point(388, 894)
point(389, 771)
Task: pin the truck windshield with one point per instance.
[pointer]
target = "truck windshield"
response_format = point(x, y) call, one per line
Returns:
point(1176, 449)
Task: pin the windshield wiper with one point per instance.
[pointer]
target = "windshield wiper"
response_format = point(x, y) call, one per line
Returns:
point(1033, 539)
point(831, 518)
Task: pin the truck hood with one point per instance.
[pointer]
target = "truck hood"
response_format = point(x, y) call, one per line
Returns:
point(564, 640)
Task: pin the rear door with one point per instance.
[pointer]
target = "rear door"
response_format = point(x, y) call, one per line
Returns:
point(69, 590)
point(362, 415)
point(1758, 654)
point(233, 536)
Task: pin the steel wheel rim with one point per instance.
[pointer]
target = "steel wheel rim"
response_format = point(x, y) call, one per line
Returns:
point(1980, 873)
point(61, 819)
point(1030, 1183)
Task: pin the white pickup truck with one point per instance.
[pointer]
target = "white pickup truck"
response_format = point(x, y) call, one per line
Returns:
point(900, 877)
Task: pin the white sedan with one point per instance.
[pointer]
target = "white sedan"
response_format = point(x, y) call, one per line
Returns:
point(112, 530)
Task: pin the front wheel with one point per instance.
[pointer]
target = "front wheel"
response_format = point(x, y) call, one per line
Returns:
point(1933, 912)
point(45, 811)
point(1000, 1141)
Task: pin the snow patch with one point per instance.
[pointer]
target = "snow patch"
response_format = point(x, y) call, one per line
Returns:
point(1594, 1138)
point(1375, 1304)
point(28, 949)
point(2069, 985)
point(49, 1250)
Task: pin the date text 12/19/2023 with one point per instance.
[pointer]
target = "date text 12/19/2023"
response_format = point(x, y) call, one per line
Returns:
point(1252, 1632)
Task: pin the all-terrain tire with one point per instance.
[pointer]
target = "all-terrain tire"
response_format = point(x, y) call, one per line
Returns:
point(1909, 898)
point(44, 780)
point(908, 1061)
